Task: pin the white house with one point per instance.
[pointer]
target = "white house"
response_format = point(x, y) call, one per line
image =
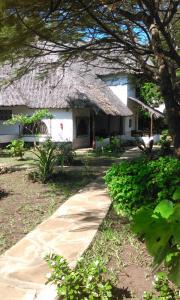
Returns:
point(85, 102)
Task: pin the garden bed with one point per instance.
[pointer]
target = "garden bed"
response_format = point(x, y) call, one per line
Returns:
point(24, 204)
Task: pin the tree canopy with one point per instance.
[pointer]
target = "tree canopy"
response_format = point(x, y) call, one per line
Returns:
point(139, 35)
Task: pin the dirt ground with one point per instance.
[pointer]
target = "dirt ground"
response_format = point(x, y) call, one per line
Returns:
point(135, 273)
point(24, 204)
point(126, 259)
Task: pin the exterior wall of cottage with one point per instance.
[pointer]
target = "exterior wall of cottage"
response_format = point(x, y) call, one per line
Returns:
point(119, 85)
point(122, 86)
point(60, 127)
point(9, 132)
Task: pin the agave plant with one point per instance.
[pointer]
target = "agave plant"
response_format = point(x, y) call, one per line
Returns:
point(45, 159)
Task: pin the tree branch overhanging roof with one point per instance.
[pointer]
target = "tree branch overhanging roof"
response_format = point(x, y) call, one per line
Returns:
point(150, 109)
point(75, 86)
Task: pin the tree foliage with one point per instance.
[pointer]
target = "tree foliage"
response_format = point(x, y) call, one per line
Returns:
point(137, 35)
point(151, 94)
point(28, 120)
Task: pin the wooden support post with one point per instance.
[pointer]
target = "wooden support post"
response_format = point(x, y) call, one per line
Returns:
point(137, 120)
point(93, 131)
point(109, 125)
point(151, 128)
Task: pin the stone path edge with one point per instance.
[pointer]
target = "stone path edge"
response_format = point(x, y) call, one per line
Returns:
point(68, 232)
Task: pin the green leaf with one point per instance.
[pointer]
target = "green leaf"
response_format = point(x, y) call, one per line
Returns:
point(175, 219)
point(165, 208)
point(176, 195)
point(174, 274)
point(142, 220)
point(157, 239)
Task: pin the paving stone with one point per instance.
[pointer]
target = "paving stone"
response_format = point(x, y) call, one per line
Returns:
point(47, 293)
point(25, 249)
point(36, 273)
point(55, 224)
point(8, 292)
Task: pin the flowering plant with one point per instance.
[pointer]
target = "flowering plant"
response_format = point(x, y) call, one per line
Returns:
point(84, 282)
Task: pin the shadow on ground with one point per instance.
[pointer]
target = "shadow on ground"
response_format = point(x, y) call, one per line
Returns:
point(121, 294)
point(3, 194)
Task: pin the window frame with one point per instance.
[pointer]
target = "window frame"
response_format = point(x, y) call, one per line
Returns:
point(7, 114)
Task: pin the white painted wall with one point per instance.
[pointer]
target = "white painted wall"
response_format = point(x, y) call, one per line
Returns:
point(60, 127)
point(10, 132)
point(119, 85)
point(122, 86)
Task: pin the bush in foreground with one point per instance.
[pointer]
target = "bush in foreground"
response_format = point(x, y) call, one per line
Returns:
point(84, 282)
point(142, 182)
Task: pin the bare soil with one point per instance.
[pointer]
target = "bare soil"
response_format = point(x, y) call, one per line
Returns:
point(129, 267)
point(24, 204)
point(135, 273)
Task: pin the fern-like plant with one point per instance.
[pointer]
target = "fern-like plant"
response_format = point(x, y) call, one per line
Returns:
point(45, 160)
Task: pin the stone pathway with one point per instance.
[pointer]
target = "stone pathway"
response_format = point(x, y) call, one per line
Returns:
point(68, 232)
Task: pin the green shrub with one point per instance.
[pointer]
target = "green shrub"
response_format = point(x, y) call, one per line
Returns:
point(114, 146)
point(16, 148)
point(84, 282)
point(165, 142)
point(162, 290)
point(45, 160)
point(142, 182)
point(65, 154)
point(161, 230)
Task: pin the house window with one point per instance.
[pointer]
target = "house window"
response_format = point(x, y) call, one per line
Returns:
point(130, 123)
point(5, 115)
point(36, 128)
point(82, 126)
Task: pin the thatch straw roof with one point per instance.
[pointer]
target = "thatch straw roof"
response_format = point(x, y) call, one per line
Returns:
point(76, 86)
point(156, 113)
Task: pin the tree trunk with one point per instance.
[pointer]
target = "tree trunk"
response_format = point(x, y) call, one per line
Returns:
point(168, 91)
point(172, 106)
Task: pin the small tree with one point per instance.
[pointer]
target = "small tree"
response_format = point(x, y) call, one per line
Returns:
point(25, 120)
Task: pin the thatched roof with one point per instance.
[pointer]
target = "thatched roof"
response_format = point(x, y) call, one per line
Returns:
point(76, 86)
point(156, 113)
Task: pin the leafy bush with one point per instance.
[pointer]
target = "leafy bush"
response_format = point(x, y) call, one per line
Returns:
point(165, 142)
point(161, 230)
point(16, 148)
point(114, 146)
point(139, 182)
point(163, 290)
point(45, 160)
point(84, 282)
point(65, 154)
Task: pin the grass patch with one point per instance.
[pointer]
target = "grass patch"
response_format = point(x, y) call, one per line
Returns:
point(7, 159)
